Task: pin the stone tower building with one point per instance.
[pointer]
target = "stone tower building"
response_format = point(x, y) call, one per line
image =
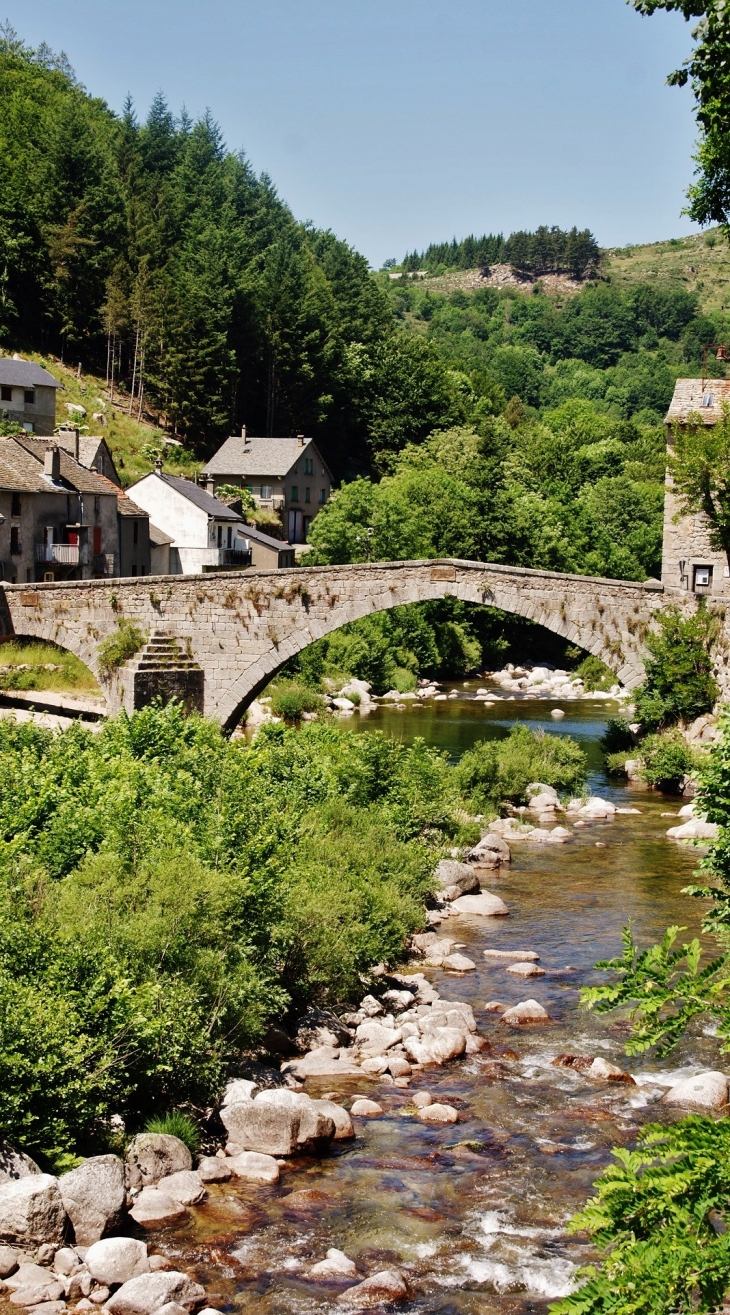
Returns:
point(688, 559)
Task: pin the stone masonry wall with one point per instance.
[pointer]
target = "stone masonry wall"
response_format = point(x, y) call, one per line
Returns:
point(242, 627)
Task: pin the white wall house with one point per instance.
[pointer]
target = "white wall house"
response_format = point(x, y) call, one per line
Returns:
point(204, 534)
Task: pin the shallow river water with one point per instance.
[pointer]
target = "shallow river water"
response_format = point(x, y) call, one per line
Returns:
point(476, 1212)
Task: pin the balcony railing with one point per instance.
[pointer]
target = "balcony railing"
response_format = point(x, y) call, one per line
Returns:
point(64, 554)
point(235, 557)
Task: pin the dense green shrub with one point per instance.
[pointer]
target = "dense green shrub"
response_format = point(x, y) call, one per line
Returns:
point(617, 736)
point(595, 674)
point(679, 676)
point(292, 698)
point(499, 771)
point(666, 759)
point(120, 646)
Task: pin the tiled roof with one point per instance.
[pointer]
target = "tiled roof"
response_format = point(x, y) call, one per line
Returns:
point(249, 457)
point(25, 374)
point(205, 501)
point(73, 473)
point(125, 506)
point(689, 394)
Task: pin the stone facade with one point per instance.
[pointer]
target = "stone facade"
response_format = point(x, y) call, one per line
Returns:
point(688, 558)
point(239, 629)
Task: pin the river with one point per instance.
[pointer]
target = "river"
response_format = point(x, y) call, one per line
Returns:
point(476, 1212)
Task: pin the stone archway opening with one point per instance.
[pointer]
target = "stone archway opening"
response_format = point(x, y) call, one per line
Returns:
point(37, 668)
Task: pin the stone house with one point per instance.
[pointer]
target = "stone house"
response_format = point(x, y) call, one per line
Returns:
point(58, 520)
point(202, 533)
point(28, 394)
point(91, 451)
point(688, 559)
point(289, 475)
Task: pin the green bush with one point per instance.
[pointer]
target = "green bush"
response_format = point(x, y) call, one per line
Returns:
point(292, 699)
point(617, 736)
point(595, 674)
point(176, 1124)
point(616, 763)
point(666, 758)
point(679, 684)
point(120, 646)
point(499, 771)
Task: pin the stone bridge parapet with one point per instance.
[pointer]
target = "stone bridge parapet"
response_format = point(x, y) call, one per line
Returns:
point(241, 627)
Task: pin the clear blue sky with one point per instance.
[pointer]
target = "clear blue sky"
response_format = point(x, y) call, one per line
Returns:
point(399, 122)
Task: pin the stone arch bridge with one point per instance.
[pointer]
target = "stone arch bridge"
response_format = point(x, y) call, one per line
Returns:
point(218, 639)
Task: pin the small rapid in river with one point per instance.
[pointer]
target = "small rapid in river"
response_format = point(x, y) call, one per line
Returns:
point(475, 1213)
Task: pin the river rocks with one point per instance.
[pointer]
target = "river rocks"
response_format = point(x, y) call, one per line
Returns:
point(37, 1294)
point(326, 1062)
point(154, 1155)
point(399, 1000)
point(594, 808)
point(15, 1164)
point(376, 1038)
point(526, 969)
point(365, 1109)
point(94, 1197)
point(255, 1168)
point(31, 1210)
point(387, 1285)
point(213, 1170)
point(484, 905)
point(491, 851)
point(239, 1090)
point(436, 1047)
point(335, 1265)
point(528, 1013)
point(455, 879)
point(703, 1091)
point(522, 956)
point(320, 1027)
point(694, 829)
point(375, 1066)
point(370, 1007)
point(149, 1292)
point(436, 1113)
point(339, 1116)
point(30, 1275)
point(399, 1067)
point(547, 796)
point(153, 1207)
point(9, 1259)
point(185, 1186)
point(116, 1260)
point(448, 1013)
point(279, 1121)
point(601, 1070)
point(459, 963)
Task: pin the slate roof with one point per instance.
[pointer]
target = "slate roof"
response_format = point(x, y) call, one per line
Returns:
point(249, 457)
point(25, 374)
point(125, 506)
point(258, 536)
point(157, 538)
point(205, 501)
point(73, 474)
point(689, 395)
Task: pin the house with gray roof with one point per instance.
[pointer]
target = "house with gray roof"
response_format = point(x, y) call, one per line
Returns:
point(203, 533)
point(289, 475)
point(28, 394)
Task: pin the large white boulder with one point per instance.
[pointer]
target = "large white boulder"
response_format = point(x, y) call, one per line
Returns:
point(31, 1210)
point(339, 1116)
point(116, 1260)
point(154, 1155)
point(538, 790)
point(597, 808)
point(703, 1091)
point(324, 1062)
point(185, 1186)
point(387, 1285)
point(93, 1197)
point(372, 1035)
point(255, 1168)
point(694, 829)
point(149, 1292)
point(335, 1265)
point(455, 879)
point(437, 1046)
point(485, 905)
point(528, 1013)
point(153, 1207)
point(15, 1164)
point(491, 851)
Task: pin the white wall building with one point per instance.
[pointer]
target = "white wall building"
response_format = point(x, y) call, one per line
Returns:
point(204, 534)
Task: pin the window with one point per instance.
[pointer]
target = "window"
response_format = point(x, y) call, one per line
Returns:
point(306, 495)
point(308, 466)
point(702, 578)
point(6, 393)
point(220, 536)
point(97, 540)
point(29, 397)
point(134, 570)
point(250, 488)
point(230, 535)
point(295, 492)
point(15, 505)
point(97, 510)
point(15, 549)
point(266, 491)
point(708, 399)
point(323, 495)
point(135, 532)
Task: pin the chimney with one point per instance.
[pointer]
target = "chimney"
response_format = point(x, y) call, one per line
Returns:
point(68, 439)
point(210, 486)
point(52, 463)
point(300, 440)
point(158, 467)
point(243, 431)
